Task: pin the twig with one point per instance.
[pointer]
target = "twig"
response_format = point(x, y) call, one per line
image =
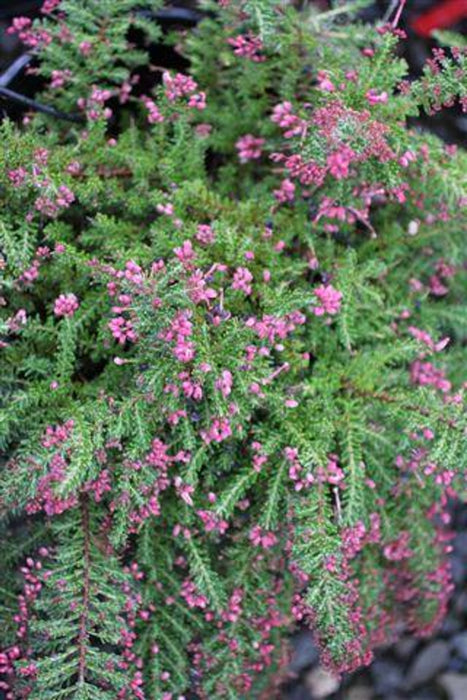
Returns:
point(83, 635)
point(39, 107)
point(384, 397)
point(391, 7)
point(15, 68)
point(173, 14)
point(397, 16)
point(337, 502)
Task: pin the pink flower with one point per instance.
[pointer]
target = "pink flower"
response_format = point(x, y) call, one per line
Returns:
point(437, 288)
point(122, 330)
point(178, 85)
point(273, 328)
point(234, 609)
point(59, 78)
point(407, 158)
point(339, 161)
point(249, 147)
point(324, 82)
point(184, 490)
point(283, 115)
point(180, 330)
point(286, 192)
point(58, 435)
point(218, 431)
point(85, 48)
point(426, 374)
point(262, 538)
point(373, 98)
point(426, 338)
point(192, 596)
point(31, 274)
point(203, 130)
point(205, 234)
point(242, 279)
point(302, 481)
point(398, 549)
point(15, 322)
point(198, 101)
point(198, 290)
point(154, 115)
point(331, 473)
point(212, 522)
point(65, 196)
point(185, 252)
point(353, 539)
point(224, 383)
point(18, 176)
point(49, 6)
point(330, 300)
point(66, 305)
point(248, 46)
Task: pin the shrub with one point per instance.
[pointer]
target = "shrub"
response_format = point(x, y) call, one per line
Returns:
point(232, 351)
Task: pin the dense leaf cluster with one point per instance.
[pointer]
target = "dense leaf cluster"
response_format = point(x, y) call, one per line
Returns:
point(233, 335)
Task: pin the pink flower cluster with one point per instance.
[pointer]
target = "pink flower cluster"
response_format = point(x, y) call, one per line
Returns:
point(94, 105)
point(159, 460)
point(198, 289)
point(205, 234)
point(192, 596)
point(98, 487)
point(154, 115)
point(426, 374)
point(34, 38)
point(399, 548)
point(242, 280)
point(58, 435)
point(249, 147)
point(60, 78)
point(234, 607)
point(66, 305)
point(49, 6)
point(284, 116)
point(248, 46)
point(301, 480)
point(224, 383)
point(52, 205)
point(14, 661)
point(185, 253)
point(338, 162)
point(212, 522)
point(286, 191)
point(219, 430)
point(179, 86)
point(331, 473)
point(273, 328)
point(262, 538)
point(122, 330)
point(179, 332)
point(329, 300)
point(347, 137)
point(426, 338)
point(46, 498)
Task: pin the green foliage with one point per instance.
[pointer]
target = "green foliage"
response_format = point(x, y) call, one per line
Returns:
point(204, 445)
point(87, 587)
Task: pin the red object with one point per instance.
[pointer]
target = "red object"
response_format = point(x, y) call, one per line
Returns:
point(443, 15)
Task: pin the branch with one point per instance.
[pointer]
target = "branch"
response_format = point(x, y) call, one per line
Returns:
point(83, 626)
point(39, 107)
point(16, 67)
point(384, 397)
